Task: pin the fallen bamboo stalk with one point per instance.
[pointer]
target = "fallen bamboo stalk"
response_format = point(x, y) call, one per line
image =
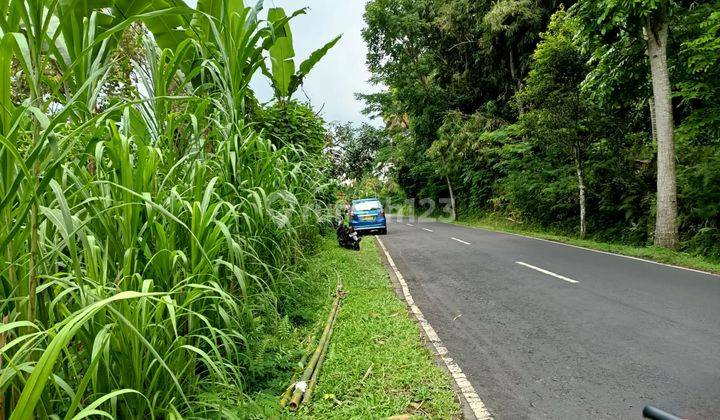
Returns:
point(313, 379)
point(288, 391)
point(301, 386)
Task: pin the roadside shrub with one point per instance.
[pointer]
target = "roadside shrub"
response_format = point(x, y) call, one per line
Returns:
point(292, 123)
point(150, 253)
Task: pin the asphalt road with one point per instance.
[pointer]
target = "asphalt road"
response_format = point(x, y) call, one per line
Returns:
point(569, 333)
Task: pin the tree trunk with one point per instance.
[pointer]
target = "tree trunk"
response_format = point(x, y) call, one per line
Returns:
point(581, 192)
point(651, 105)
point(666, 228)
point(515, 72)
point(452, 197)
point(512, 65)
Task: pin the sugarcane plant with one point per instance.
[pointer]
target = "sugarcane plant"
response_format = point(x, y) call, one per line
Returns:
point(141, 236)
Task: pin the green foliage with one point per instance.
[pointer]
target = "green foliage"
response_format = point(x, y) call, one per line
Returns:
point(373, 329)
point(285, 79)
point(150, 246)
point(282, 53)
point(374, 339)
point(699, 193)
point(559, 120)
point(699, 84)
point(355, 150)
point(509, 102)
point(292, 123)
point(451, 148)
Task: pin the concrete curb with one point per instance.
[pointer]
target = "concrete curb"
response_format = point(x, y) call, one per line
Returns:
point(472, 405)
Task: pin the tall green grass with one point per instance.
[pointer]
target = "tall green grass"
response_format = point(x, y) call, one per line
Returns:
point(144, 243)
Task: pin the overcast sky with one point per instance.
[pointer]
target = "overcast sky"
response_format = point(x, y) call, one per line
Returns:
point(333, 82)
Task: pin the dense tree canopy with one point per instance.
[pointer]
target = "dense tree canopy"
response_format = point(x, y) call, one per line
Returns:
point(355, 150)
point(554, 113)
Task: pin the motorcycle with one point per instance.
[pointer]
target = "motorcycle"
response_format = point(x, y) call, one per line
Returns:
point(347, 236)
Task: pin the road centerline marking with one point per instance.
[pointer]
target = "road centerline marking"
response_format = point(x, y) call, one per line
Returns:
point(461, 381)
point(460, 240)
point(614, 254)
point(410, 224)
point(429, 230)
point(549, 273)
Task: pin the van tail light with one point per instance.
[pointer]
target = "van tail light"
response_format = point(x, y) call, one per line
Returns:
point(351, 214)
point(382, 213)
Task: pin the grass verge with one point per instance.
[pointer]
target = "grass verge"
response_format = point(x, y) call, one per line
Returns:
point(376, 365)
point(498, 223)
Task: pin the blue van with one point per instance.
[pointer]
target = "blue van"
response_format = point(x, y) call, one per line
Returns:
point(367, 214)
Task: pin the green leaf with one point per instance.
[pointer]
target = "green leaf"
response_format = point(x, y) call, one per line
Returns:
point(91, 409)
point(10, 147)
point(281, 52)
point(22, 52)
point(43, 119)
point(317, 55)
point(132, 7)
point(44, 367)
point(6, 105)
point(17, 324)
point(213, 8)
point(167, 27)
point(310, 62)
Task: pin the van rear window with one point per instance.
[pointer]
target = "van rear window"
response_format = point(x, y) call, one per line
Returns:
point(367, 205)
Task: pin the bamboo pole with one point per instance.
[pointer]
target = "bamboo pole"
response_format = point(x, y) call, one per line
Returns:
point(313, 379)
point(288, 391)
point(301, 386)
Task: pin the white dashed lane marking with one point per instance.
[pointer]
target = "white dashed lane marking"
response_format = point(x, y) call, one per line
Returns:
point(549, 273)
